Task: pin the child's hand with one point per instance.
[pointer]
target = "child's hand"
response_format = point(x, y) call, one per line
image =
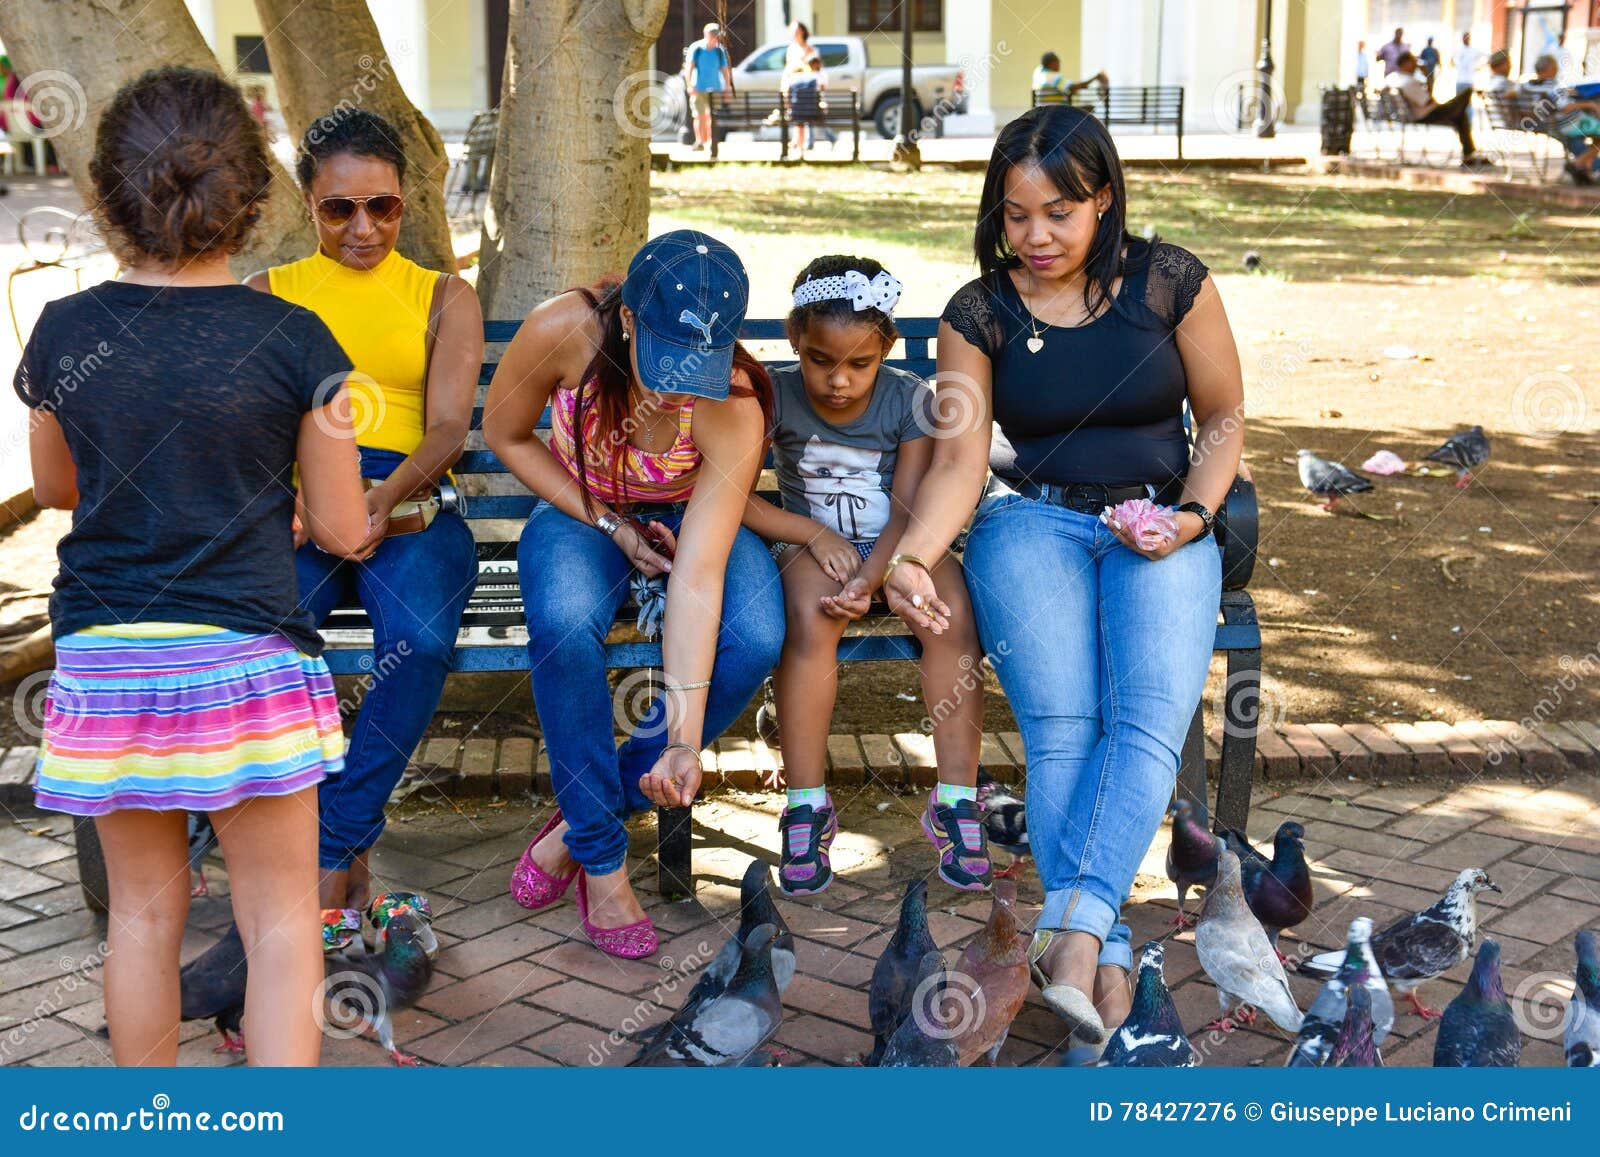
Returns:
point(853, 600)
point(836, 556)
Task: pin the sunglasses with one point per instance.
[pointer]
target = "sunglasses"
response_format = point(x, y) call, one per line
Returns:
point(382, 207)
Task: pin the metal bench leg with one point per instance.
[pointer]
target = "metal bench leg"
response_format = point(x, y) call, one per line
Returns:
point(1242, 713)
point(1192, 768)
point(674, 872)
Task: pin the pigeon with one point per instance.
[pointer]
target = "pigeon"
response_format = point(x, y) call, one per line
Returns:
point(1234, 952)
point(212, 985)
point(1005, 821)
point(202, 841)
point(1320, 1029)
point(1191, 856)
point(1465, 451)
point(372, 987)
point(1423, 945)
point(755, 909)
point(386, 905)
point(1356, 1046)
point(1330, 480)
point(1151, 1035)
point(731, 1026)
point(1583, 1014)
point(1278, 890)
point(993, 973)
point(1478, 1029)
point(924, 1039)
point(1251, 261)
point(896, 975)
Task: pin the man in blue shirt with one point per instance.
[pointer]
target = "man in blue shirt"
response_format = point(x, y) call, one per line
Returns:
point(706, 72)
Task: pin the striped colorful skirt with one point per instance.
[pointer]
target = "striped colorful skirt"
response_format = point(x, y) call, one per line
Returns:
point(169, 716)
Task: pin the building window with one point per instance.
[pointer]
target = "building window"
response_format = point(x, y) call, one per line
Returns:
point(251, 53)
point(884, 15)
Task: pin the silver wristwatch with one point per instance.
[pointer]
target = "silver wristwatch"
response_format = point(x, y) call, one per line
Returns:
point(608, 523)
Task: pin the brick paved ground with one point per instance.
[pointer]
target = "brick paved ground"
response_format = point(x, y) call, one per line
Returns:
point(1390, 817)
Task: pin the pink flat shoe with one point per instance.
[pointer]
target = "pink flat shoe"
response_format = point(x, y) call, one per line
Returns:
point(630, 942)
point(532, 886)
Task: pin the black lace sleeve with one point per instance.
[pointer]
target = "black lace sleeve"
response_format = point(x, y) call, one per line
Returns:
point(971, 314)
point(1175, 278)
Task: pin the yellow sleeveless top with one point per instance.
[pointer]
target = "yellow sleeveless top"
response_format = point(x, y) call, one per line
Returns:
point(380, 317)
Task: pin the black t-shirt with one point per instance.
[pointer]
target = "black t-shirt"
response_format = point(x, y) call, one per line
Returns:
point(1101, 402)
point(181, 407)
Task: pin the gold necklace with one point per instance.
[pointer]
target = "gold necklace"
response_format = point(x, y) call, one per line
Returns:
point(1036, 342)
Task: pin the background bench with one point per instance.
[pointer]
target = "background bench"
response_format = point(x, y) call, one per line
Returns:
point(1524, 125)
point(1158, 105)
point(493, 625)
point(754, 111)
point(1397, 137)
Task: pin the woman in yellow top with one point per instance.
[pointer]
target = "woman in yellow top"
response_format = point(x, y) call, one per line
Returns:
point(416, 338)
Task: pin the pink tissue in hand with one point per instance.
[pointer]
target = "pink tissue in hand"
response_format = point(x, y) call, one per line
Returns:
point(1384, 462)
point(1146, 522)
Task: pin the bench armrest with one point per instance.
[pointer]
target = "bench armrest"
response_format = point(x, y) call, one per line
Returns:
point(1238, 531)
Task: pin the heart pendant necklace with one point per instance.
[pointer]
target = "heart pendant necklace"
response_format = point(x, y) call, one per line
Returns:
point(1036, 342)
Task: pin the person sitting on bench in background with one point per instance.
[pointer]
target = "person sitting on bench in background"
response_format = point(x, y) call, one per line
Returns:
point(1575, 123)
point(1047, 78)
point(1455, 112)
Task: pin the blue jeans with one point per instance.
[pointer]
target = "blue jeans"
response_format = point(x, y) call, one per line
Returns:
point(414, 588)
point(574, 580)
point(1103, 656)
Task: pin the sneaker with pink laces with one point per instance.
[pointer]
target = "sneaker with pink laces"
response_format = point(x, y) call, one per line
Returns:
point(806, 834)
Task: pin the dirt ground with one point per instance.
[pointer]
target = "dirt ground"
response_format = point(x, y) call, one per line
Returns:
point(1482, 602)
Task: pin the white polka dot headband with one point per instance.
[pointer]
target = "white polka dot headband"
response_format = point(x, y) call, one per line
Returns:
point(881, 292)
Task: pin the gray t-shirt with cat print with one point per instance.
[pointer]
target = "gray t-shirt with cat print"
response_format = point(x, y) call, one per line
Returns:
point(840, 476)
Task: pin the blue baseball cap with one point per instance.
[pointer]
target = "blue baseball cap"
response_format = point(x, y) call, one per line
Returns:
point(688, 292)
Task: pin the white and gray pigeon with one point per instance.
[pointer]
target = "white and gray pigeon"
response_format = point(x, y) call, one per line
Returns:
point(755, 909)
point(1324, 1018)
point(1466, 451)
point(1425, 944)
point(1236, 955)
point(729, 1028)
point(1151, 1035)
point(1583, 1014)
point(1330, 480)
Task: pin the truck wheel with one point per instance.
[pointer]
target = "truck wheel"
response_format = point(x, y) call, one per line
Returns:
point(886, 115)
point(91, 865)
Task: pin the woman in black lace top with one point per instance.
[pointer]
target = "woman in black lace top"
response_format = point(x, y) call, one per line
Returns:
point(1064, 370)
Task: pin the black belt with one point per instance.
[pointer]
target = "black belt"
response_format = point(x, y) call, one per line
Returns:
point(1084, 497)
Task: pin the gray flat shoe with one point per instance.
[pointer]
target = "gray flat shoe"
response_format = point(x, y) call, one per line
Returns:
point(1072, 1005)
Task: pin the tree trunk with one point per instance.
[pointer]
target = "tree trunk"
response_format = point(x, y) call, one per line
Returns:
point(318, 73)
point(73, 55)
point(569, 199)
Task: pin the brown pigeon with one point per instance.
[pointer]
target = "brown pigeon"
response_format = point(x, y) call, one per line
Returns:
point(990, 981)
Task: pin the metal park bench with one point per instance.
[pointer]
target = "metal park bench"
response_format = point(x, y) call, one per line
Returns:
point(1158, 105)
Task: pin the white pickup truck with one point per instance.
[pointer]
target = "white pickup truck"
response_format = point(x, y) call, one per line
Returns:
point(937, 87)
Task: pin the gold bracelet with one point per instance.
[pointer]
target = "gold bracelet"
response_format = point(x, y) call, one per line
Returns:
point(900, 558)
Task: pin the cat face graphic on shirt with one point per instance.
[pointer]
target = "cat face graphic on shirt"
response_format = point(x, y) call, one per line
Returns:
point(844, 488)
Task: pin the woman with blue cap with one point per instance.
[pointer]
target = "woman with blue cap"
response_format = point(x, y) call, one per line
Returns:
point(658, 429)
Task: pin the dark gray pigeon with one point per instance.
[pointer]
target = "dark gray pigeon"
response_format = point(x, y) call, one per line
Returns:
point(728, 1029)
point(1234, 952)
point(1325, 1017)
point(1466, 451)
point(1478, 1029)
point(895, 975)
point(1278, 890)
point(1354, 1047)
point(1191, 855)
point(1583, 1014)
point(924, 1040)
point(1151, 1035)
point(212, 985)
point(755, 909)
point(371, 987)
point(1330, 480)
point(1423, 945)
point(202, 842)
point(1005, 821)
